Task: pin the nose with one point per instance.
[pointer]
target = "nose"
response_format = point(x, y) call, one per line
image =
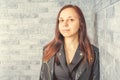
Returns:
point(65, 23)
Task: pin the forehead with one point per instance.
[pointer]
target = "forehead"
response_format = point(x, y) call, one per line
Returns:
point(68, 12)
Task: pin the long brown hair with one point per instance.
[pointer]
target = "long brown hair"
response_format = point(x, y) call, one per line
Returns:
point(54, 46)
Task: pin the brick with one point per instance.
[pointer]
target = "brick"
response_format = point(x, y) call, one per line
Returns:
point(50, 14)
point(5, 77)
point(117, 66)
point(109, 36)
point(117, 9)
point(110, 71)
point(105, 3)
point(53, 10)
point(116, 39)
point(113, 1)
point(75, 2)
point(63, 2)
point(113, 24)
point(25, 77)
point(37, 6)
point(100, 19)
point(104, 36)
point(8, 21)
point(20, 15)
point(47, 20)
point(97, 2)
point(37, 0)
point(110, 12)
point(113, 50)
point(101, 34)
point(11, 52)
point(7, 5)
point(4, 29)
point(98, 6)
point(107, 60)
point(10, 42)
point(10, 1)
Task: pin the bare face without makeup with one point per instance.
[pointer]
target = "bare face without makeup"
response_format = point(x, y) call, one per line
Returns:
point(69, 22)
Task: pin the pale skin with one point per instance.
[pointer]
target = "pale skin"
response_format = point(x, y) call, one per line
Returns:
point(68, 27)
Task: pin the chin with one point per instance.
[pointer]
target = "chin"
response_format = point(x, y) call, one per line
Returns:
point(66, 35)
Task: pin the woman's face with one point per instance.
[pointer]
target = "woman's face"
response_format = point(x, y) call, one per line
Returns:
point(69, 22)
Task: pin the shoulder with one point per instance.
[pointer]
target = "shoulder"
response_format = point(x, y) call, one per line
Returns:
point(95, 49)
point(96, 52)
point(96, 55)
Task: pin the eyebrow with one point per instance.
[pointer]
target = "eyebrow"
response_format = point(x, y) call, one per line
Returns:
point(68, 17)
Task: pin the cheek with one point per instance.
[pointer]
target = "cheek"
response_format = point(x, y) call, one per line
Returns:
point(76, 26)
point(59, 28)
point(60, 25)
point(76, 29)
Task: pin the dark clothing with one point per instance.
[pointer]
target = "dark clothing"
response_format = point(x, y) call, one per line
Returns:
point(76, 70)
point(64, 71)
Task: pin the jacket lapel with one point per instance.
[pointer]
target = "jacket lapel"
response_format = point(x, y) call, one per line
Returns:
point(81, 69)
point(62, 59)
point(78, 57)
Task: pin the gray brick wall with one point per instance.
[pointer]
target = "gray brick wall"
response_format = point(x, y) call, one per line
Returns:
point(107, 17)
point(27, 25)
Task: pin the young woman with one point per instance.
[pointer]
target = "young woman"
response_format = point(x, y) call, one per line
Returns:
point(70, 56)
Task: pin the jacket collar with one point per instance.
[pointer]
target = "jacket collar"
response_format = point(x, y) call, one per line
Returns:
point(77, 60)
point(78, 57)
point(62, 59)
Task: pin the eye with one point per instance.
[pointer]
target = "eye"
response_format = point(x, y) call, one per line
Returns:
point(71, 19)
point(61, 20)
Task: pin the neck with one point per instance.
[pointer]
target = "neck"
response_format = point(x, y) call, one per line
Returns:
point(71, 43)
point(70, 46)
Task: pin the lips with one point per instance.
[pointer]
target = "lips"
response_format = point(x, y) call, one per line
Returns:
point(65, 30)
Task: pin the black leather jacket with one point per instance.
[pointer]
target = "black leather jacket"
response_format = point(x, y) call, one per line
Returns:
point(84, 71)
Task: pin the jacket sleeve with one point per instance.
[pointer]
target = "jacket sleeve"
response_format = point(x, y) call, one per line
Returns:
point(41, 68)
point(41, 72)
point(45, 72)
point(96, 66)
point(46, 69)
